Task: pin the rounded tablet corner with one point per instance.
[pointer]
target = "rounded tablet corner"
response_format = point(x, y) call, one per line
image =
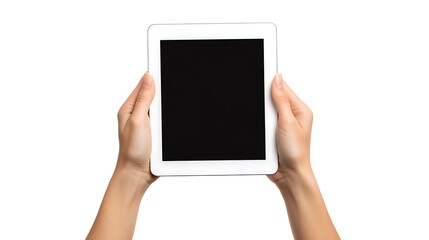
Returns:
point(273, 25)
point(273, 169)
point(154, 171)
point(152, 26)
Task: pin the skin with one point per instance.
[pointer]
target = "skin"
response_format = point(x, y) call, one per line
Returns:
point(308, 216)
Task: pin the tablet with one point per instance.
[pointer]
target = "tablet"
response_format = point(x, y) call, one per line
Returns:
point(212, 113)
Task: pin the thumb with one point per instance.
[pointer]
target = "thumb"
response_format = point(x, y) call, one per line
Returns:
point(281, 100)
point(144, 97)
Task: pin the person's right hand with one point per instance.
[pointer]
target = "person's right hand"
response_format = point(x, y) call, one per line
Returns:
point(293, 133)
point(135, 141)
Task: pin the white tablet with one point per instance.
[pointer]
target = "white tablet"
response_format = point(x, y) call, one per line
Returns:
point(212, 113)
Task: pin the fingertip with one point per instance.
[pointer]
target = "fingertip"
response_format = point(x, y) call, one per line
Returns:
point(147, 80)
point(147, 73)
point(281, 98)
point(145, 96)
point(278, 81)
point(278, 87)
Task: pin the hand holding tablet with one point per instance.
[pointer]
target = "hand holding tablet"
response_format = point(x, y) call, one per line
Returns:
point(216, 118)
point(212, 113)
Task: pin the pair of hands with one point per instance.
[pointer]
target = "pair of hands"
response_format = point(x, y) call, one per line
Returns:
point(293, 131)
point(308, 215)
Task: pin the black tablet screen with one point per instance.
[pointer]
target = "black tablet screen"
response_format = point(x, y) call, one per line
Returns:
point(212, 99)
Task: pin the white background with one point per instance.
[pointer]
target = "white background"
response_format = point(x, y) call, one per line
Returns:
point(362, 66)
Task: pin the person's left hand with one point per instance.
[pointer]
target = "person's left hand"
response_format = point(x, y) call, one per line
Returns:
point(135, 132)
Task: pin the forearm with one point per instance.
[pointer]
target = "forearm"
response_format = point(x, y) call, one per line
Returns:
point(117, 216)
point(308, 216)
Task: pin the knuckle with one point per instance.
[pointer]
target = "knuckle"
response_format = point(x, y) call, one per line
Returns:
point(135, 122)
point(310, 114)
point(285, 121)
point(282, 97)
point(126, 109)
point(119, 114)
point(123, 110)
point(143, 98)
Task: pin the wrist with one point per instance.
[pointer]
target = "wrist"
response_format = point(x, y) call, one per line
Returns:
point(137, 168)
point(293, 180)
point(131, 179)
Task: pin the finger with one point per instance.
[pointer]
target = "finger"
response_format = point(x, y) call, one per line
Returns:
point(281, 101)
point(300, 110)
point(127, 107)
point(144, 98)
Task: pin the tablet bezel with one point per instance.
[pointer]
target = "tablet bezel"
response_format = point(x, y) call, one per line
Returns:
point(266, 31)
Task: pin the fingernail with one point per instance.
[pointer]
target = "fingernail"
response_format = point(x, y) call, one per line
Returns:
point(279, 80)
point(147, 80)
